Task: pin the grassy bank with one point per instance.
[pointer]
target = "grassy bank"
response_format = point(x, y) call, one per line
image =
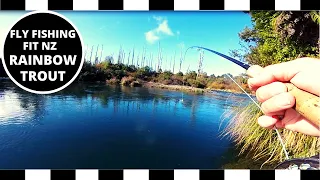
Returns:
point(175, 87)
point(260, 144)
point(130, 75)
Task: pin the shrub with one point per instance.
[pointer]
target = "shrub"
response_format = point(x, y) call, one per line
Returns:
point(103, 65)
point(119, 74)
point(86, 76)
point(135, 84)
point(195, 83)
point(131, 68)
point(177, 80)
point(113, 81)
point(203, 81)
point(167, 82)
point(144, 73)
point(166, 75)
point(127, 80)
point(179, 74)
point(191, 75)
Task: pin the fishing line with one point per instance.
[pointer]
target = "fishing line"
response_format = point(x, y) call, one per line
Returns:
point(245, 66)
point(278, 134)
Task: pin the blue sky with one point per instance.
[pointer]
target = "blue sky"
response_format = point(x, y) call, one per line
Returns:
point(174, 30)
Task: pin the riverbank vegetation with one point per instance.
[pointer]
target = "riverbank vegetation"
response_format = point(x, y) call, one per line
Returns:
point(131, 75)
point(275, 37)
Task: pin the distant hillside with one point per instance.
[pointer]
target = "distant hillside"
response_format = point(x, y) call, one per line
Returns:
point(2, 71)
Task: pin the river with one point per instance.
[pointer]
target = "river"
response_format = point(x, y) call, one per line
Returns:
point(113, 127)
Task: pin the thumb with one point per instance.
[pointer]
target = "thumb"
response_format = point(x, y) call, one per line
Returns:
point(254, 71)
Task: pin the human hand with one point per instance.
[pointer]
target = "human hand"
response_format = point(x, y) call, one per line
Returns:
point(268, 83)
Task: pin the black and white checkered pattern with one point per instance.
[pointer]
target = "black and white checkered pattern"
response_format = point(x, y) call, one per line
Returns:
point(145, 5)
point(141, 174)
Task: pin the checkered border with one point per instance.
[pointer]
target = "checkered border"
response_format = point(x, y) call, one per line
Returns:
point(148, 5)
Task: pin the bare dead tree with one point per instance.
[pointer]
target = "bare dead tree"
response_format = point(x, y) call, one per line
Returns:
point(143, 57)
point(138, 60)
point(123, 57)
point(150, 60)
point(174, 62)
point(86, 52)
point(101, 52)
point(119, 55)
point(129, 58)
point(112, 56)
point(170, 63)
point(181, 59)
point(91, 54)
point(132, 56)
point(166, 63)
point(160, 58)
point(96, 56)
point(201, 54)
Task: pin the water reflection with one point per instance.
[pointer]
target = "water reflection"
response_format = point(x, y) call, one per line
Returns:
point(12, 107)
point(20, 106)
point(101, 126)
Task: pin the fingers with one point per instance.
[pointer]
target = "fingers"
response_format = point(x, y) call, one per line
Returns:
point(267, 121)
point(292, 121)
point(266, 92)
point(254, 70)
point(308, 81)
point(295, 122)
point(278, 103)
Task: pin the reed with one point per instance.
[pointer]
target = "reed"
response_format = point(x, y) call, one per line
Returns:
point(263, 143)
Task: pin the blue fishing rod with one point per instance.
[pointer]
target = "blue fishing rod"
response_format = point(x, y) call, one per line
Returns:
point(239, 63)
point(301, 97)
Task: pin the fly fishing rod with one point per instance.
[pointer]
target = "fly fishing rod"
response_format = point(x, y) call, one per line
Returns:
point(307, 104)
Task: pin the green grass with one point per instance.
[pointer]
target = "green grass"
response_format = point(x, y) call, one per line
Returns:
point(263, 143)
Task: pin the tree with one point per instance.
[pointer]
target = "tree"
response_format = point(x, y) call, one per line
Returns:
point(109, 59)
point(191, 75)
point(212, 76)
point(279, 36)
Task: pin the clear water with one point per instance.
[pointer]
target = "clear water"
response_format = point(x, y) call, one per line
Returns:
point(113, 127)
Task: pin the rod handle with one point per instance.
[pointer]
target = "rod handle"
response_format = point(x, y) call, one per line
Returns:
point(307, 104)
